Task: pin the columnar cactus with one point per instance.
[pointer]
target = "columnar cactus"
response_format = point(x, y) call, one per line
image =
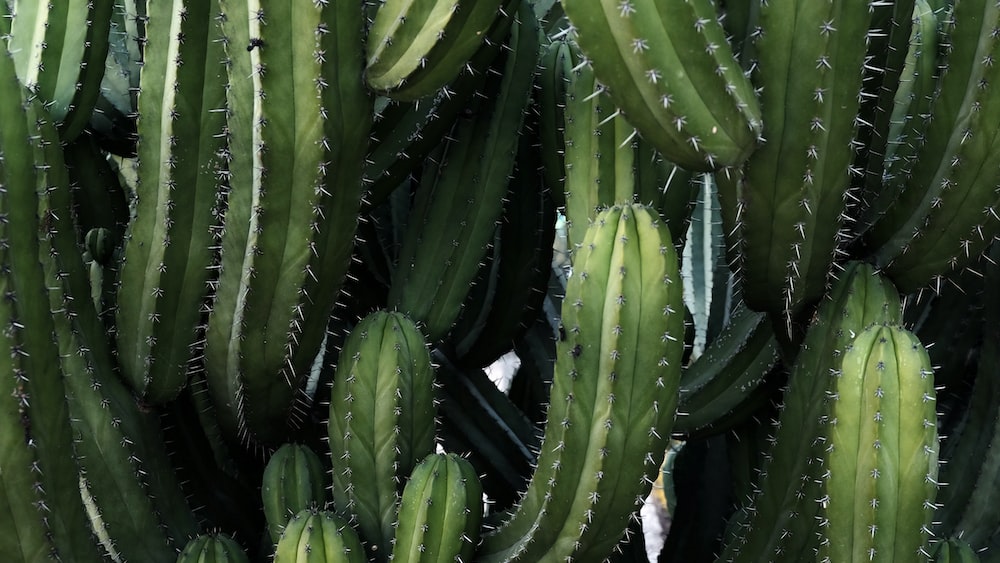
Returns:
point(624, 332)
point(232, 225)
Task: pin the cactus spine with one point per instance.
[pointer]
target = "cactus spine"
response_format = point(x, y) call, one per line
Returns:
point(290, 222)
point(669, 68)
point(624, 296)
point(293, 481)
point(440, 512)
point(381, 420)
point(881, 457)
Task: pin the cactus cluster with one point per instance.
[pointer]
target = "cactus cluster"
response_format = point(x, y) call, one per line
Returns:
point(259, 261)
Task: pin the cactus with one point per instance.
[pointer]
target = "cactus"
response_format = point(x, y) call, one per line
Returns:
point(881, 458)
point(945, 213)
point(781, 517)
point(458, 208)
point(218, 548)
point(439, 513)
point(314, 536)
point(669, 68)
point(785, 207)
point(231, 226)
point(614, 307)
point(416, 48)
point(168, 251)
point(293, 481)
point(59, 51)
point(290, 222)
point(381, 420)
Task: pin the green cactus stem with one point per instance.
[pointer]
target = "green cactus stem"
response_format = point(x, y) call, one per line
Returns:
point(299, 115)
point(168, 255)
point(881, 458)
point(314, 536)
point(669, 67)
point(440, 512)
point(293, 481)
point(381, 421)
point(614, 395)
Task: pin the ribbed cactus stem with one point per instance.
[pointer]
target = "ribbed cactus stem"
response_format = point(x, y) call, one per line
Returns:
point(623, 318)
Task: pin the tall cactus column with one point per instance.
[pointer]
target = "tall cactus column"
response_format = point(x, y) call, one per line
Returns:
point(614, 394)
point(299, 117)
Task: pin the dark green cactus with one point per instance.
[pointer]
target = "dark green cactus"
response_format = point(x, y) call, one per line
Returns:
point(457, 209)
point(293, 481)
point(218, 548)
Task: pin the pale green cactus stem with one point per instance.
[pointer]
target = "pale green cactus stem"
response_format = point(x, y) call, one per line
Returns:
point(881, 459)
point(623, 317)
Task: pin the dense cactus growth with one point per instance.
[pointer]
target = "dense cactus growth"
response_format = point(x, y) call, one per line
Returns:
point(456, 280)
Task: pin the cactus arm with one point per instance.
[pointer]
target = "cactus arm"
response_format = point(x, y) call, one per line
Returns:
point(810, 58)
point(596, 408)
point(168, 253)
point(780, 518)
point(445, 57)
point(381, 420)
point(441, 254)
point(60, 50)
point(293, 481)
point(215, 548)
point(670, 69)
point(401, 36)
point(291, 221)
point(945, 211)
point(881, 459)
point(314, 536)
point(440, 512)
